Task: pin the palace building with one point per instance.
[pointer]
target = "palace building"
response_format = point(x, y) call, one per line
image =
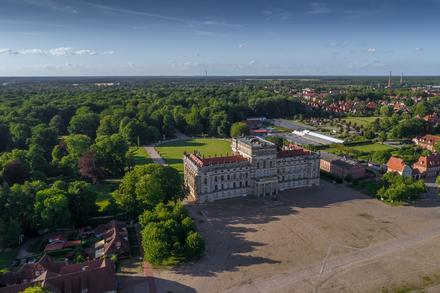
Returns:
point(254, 168)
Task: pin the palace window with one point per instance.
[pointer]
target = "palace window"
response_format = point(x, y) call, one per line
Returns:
point(264, 164)
point(222, 186)
point(258, 165)
point(229, 177)
point(215, 178)
point(234, 184)
point(223, 178)
point(205, 181)
point(271, 164)
point(246, 183)
point(215, 187)
point(240, 183)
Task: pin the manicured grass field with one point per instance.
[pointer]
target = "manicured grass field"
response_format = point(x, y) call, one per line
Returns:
point(360, 120)
point(373, 147)
point(172, 152)
point(104, 190)
point(141, 156)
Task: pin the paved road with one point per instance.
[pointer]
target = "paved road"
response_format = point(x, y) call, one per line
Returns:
point(23, 249)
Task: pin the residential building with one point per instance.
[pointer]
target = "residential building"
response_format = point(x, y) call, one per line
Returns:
point(428, 166)
point(398, 165)
point(114, 240)
point(254, 168)
point(253, 123)
point(427, 141)
point(96, 276)
point(341, 165)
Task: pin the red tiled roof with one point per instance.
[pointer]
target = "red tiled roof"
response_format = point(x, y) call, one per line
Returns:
point(54, 246)
point(415, 172)
point(72, 243)
point(292, 153)
point(396, 164)
point(429, 161)
point(253, 131)
point(218, 160)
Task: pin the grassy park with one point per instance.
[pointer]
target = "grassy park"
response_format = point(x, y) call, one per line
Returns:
point(104, 193)
point(141, 156)
point(360, 120)
point(373, 147)
point(172, 152)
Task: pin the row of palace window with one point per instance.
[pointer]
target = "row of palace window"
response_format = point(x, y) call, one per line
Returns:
point(217, 195)
point(264, 165)
point(228, 177)
point(228, 185)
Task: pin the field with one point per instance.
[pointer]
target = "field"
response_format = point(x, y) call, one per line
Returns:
point(330, 239)
point(373, 147)
point(172, 152)
point(6, 258)
point(141, 156)
point(104, 190)
point(360, 120)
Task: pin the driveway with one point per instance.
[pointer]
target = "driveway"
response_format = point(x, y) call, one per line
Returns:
point(23, 249)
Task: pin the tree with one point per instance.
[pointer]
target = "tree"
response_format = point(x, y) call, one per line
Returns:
point(36, 159)
point(113, 208)
point(37, 289)
point(57, 124)
point(14, 232)
point(82, 202)
point(51, 210)
point(168, 125)
point(194, 244)
point(111, 150)
point(89, 167)
point(14, 173)
point(44, 137)
point(109, 125)
point(436, 147)
point(85, 124)
point(3, 234)
point(348, 178)
point(369, 134)
point(239, 128)
point(79, 258)
point(19, 134)
point(437, 181)
point(382, 137)
point(129, 160)
point(386, 110)
point(155, 243)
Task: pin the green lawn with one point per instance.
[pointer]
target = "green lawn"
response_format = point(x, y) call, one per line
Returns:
point(141, 156)
point(360, 120)
point(172, 152)
point(6, 259)
point(104, 190)
point(373, 147)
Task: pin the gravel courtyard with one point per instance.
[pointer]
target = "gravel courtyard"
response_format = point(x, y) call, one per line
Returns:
point(330, 239)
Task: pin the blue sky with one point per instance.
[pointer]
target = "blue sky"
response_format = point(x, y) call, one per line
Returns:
point(242, 37)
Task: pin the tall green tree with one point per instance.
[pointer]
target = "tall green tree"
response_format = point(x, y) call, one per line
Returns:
point(51, 210)
point(3, 234)
point(57, 124)
point(111, 150)
point(44, 137)
point(14, 232)
point(82, 202)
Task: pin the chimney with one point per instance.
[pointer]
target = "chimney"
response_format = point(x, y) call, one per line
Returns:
point(87, 268)
point(88, 258)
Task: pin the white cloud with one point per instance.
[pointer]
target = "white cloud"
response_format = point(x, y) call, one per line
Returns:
point(196, 54)
point(418, 49)
point(279, 50)
point(372, 50)
point(131, 64)
point(84, 53)
point(61, 51)
point(183, 55)
point(253, 62)
point(32, 51)
point(222, 23)
point(170, 61)
point(7, 51)
point(336, 44)
point(108, 52)
point(243, 46)
point(202, 33)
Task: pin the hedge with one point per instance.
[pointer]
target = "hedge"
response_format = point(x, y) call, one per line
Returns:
point(330, 176)
point(88, 242)
point(356, 143)
point(59, 252)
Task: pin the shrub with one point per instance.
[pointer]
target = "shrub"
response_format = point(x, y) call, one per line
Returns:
point(58, 252)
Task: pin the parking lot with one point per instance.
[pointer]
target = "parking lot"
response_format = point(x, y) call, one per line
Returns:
point(330, 239)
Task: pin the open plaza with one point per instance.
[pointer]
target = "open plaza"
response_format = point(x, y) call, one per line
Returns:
point(329, 239)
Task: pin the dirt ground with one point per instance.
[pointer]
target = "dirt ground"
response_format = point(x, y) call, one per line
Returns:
point(330, 239)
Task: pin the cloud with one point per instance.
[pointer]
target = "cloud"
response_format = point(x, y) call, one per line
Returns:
point(170, 61)
point(243, 46)
point(131, 64)
point(203, 33)
point(31, 23)
point(7, 51)
point(221, 23)
point(319, 8)
point(183, 55)
point(418, 49)
point(61, 51)
point(279, 50)
point(253, 62)
point(372, 50)
point(196, 54)
point(336, 44)
point(279, 13)
point(32, 51)
point(84, 53)
point(108, 52)
point(49, 4)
